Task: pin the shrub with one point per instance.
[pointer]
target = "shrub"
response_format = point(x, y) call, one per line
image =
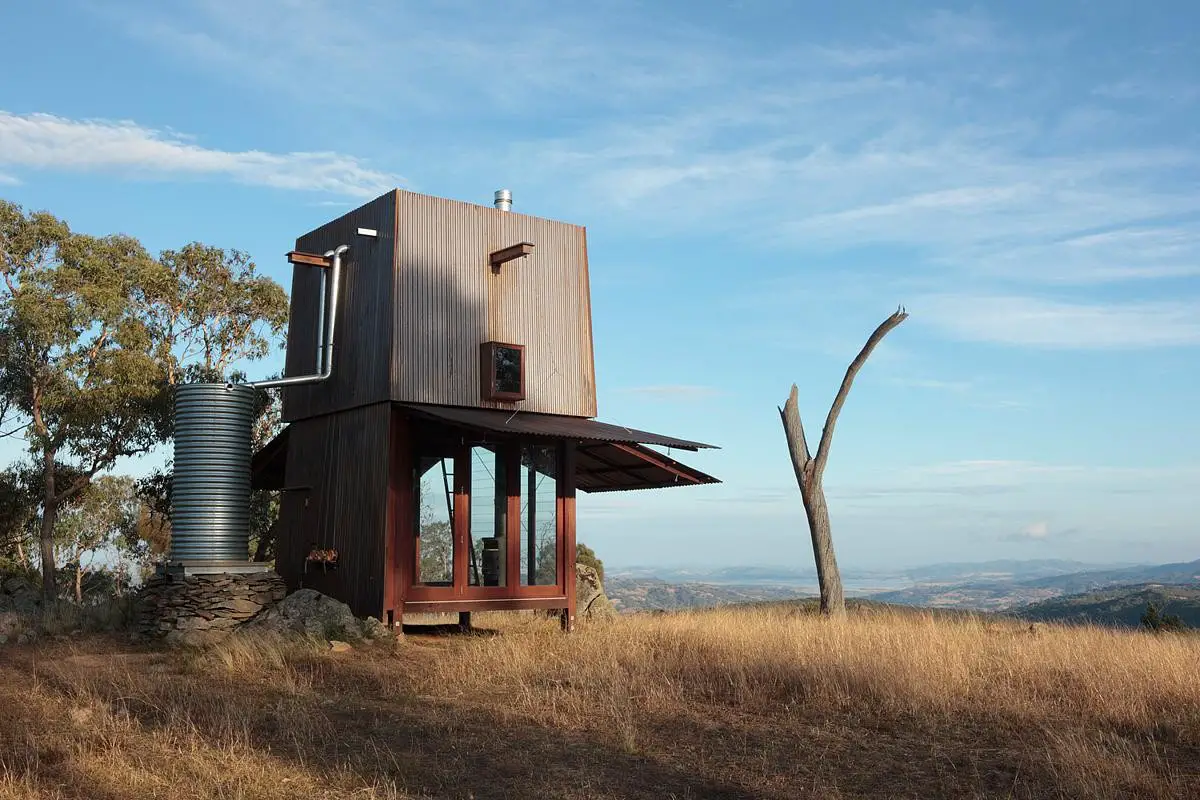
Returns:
point(587, 556)
point(1157, 620)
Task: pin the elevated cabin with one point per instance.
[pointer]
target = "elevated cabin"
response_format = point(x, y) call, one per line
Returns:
point(436, 468)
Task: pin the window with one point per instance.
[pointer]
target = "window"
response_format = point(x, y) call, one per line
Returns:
point(539, 515)
point(435, 521)
point(503, 371)
point(489, 518)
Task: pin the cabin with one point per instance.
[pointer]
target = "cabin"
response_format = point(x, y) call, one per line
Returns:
point(436, 468)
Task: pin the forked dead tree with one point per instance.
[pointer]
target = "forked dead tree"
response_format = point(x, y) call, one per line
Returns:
point(810, 471)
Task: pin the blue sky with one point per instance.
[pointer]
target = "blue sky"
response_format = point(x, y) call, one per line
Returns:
point(762, 183)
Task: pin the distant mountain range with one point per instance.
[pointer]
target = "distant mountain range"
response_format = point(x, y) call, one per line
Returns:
point(1122, 606)
point(997, 585)
point(994, 593)
point(642, 594)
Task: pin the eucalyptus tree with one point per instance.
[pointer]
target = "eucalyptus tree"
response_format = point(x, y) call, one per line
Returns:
point(94, 333)
point(103, 517)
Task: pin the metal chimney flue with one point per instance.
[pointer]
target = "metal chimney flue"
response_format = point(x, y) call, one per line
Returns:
point(503, 200)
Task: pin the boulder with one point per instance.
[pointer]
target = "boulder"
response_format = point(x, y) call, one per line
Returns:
point(26, 601)
point(374, 629)
point(590, 600)
point(310, 613)
point(10, 623)
point(16, 584)
point(339, 647)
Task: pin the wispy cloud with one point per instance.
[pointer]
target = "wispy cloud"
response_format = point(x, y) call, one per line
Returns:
point(49, 142)
point(8, 180)
point(1039, 532)
point(1010, 319)
point(947, 139)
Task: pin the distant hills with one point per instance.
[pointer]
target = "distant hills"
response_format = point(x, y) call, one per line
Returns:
point(998, 585)
point(1122, 606)
point(995, 593)
point(641, 594)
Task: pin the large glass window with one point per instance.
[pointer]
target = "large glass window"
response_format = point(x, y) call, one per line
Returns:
point(539, 515)
point(435, 521)
point(489, 515)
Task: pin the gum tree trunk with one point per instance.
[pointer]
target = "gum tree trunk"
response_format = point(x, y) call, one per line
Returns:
point(810, 471)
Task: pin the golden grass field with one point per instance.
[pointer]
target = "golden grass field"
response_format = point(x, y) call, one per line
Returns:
point(737, 703)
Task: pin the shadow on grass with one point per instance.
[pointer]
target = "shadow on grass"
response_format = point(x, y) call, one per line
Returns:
point(342, 722)
point(360, 716)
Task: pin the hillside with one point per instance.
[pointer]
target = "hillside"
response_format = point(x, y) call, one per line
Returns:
point(632, 594)
point(964, 587)
point(1122, 606)
point(769, 703)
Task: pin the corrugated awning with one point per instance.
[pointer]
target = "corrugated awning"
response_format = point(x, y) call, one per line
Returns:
point(555, 426)
point(609, 458)
point(620, 466)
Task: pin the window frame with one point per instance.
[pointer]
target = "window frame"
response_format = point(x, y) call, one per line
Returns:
point(487, 372)
point(461, 588)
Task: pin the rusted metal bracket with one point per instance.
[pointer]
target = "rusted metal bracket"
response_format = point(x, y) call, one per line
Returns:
point(501, 257)
point(309, 259)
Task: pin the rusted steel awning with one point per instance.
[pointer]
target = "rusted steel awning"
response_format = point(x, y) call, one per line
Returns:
point(556, 426)
point(609, 458)
point(619, 467)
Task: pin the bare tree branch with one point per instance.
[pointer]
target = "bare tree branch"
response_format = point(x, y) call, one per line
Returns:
point(794, 428)
point(884, 328)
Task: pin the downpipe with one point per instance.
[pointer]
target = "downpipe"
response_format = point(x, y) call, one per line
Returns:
point(325, 362)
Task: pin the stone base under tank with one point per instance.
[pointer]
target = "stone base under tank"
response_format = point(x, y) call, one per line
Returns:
point(194, 609)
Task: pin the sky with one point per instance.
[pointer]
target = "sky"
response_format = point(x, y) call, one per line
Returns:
point(762, 183)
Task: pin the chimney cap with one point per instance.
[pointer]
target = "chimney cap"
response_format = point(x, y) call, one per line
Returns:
point(503, 199)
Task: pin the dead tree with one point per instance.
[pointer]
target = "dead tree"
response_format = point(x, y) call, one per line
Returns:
point(810, 471)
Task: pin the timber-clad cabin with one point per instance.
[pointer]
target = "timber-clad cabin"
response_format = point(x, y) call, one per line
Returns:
point(436, 468)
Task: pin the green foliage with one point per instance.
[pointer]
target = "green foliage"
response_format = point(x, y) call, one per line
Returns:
point(437, 551)
point(101, 523)
point(94, 332)
point(211, 309)
point(18, 511)
point(585, 555)
point(1156, 619)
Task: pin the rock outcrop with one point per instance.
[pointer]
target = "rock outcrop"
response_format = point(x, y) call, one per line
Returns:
point(19, 595)
point(193, 609)
point(590, 600)
point(309, 613)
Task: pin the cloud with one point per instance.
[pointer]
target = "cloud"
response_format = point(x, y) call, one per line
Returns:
point(946, 138)
point(1039, 531)
point(49, 142)
point(8, 180)
point(1030, 321)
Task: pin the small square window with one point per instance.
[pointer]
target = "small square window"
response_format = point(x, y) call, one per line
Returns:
point(503, 371)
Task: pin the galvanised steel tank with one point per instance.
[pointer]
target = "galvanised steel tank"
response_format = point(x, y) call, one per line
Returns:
point(210, 491)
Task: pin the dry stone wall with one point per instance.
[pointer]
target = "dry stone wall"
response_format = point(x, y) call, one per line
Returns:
point(192, 609)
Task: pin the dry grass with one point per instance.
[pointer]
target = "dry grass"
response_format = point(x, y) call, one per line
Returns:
point(738, 703)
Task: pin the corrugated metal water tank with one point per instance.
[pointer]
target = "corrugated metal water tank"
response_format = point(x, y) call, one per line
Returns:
point(210, 491)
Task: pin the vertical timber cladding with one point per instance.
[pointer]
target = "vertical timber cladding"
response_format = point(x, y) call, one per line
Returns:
point(364, 323)
point(337, 469)
point(448, 301)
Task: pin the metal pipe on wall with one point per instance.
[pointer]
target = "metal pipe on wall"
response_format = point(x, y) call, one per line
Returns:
point(325, 361)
